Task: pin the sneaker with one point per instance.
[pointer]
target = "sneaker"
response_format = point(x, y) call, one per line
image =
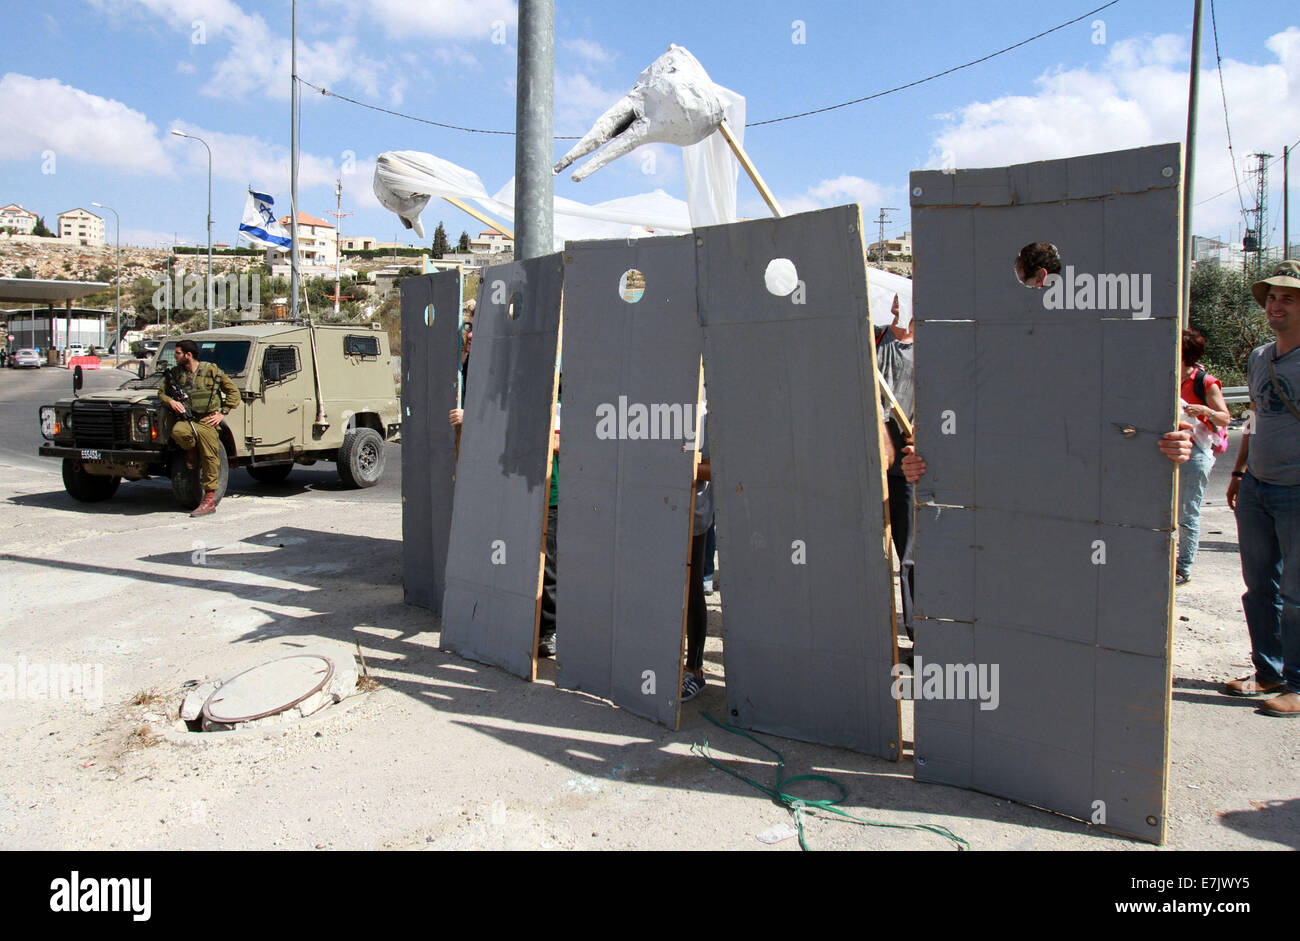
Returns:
point(546, 646)
point(692, 686)
point(1182, 578)
point(708, 584)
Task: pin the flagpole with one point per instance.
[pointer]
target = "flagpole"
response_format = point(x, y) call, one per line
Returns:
point(293, 163)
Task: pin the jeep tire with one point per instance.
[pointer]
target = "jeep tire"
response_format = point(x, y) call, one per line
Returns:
point(84, 487)
point(361, 458)
point(269, 473)
point(185, 480)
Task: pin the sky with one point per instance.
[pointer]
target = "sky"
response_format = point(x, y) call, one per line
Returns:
point(92, 88)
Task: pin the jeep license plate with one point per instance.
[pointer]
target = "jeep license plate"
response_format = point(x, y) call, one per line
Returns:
point(89, 455)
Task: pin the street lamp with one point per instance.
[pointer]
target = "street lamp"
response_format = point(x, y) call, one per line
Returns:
point(208, 295)
point(117, 344)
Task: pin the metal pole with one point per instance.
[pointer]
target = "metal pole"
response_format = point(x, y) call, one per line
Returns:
point(1286, 205)
point(117, 344)
point(534, 127)
point(208, 296)
point(293, 162)
point(1189, 161)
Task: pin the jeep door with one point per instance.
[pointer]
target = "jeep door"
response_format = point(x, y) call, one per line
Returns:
point(276, 417)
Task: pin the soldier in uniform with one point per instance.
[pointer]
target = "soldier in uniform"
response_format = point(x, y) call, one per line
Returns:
point(211, 395)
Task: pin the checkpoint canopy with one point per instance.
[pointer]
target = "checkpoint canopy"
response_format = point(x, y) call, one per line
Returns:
point(37, 293)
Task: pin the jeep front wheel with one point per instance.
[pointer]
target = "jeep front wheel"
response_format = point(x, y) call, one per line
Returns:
point(185, 480)
point(84, 487)
point(361, 458)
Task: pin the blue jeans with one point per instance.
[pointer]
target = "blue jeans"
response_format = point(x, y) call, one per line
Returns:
point(1268, 531)
point(1192, 476)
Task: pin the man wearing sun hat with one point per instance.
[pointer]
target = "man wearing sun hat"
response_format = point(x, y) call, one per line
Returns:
point(1265, 494)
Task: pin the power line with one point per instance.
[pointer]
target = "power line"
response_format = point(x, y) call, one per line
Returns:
point(1231, 188)
point(788, 117)
point(930, 78)
point(1224, 94)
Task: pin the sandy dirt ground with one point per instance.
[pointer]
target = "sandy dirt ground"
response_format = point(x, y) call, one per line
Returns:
point(449, 754)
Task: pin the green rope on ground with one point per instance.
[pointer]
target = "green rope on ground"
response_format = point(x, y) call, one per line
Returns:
point(799, 806)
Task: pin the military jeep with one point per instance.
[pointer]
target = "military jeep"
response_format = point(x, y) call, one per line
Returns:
point(308, 393)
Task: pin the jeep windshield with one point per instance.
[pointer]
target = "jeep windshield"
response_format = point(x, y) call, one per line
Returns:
point(231, 356)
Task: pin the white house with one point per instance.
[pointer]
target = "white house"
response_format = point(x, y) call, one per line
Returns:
point(317, 248)
point(491, 242)
point(81, 226)
point(14, 216)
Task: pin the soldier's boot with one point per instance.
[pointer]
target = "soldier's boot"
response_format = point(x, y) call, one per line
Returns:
point(191, 455)
point(207, 505)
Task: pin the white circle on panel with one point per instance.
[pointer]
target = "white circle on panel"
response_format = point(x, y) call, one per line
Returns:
point(780, 276)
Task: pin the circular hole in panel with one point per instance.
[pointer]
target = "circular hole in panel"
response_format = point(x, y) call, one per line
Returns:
point(781, 277)
point(631, 286)
point(516, 306)
point(1036, 262)
point(428, 316)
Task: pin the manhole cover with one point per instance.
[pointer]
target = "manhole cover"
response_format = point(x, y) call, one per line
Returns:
point(268, 688)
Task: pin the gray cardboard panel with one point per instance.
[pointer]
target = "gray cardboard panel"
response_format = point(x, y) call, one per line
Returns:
point(625, 501)
point(1000, 234)
point(945, 548)
point(1133, 590)
point(945, 413)
point(943, 752)
point(1040, 454)
point(944, 248)
point(1079, 178)
point(1143, 226)
point(503, 476)
point(417, 535)
point(1131, 711)
point(1124, 171)
point(797, 482)
point(1082, 643)
point(430, 383)
point(1137, 480)
point(1036, 574)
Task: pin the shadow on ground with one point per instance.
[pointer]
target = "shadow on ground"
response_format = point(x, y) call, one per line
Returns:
point(351, 585)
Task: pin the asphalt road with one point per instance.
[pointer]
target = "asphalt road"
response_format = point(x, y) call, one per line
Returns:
point(24, 391)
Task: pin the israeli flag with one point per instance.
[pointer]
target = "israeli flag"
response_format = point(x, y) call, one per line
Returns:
point(260, 226)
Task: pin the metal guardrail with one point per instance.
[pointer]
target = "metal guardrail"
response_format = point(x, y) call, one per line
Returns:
point(1236, 395)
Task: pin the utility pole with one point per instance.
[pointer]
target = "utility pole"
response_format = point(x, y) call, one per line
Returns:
point(293, 161)
point(338, 215)
point(881, 222)
point(1286, 204)
point(534, 130)
point(1189, 162)
point(1254, 241)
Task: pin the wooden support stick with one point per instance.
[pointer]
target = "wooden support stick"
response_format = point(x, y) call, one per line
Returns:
point(479, 215)
point(904, 425)
point(748, 164)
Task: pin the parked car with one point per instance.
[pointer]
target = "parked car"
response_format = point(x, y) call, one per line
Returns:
point(77, 351)
point(26, 357)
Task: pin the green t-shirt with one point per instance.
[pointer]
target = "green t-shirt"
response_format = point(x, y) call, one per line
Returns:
point(555, 479)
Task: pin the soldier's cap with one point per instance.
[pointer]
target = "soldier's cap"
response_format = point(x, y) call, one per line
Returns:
point(1285, 275)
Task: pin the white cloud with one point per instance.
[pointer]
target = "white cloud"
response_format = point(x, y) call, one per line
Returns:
point(579, 101)
point(1137, 97)
point(257, 59)
point(185, 68)
point(45, 114)
point(588, 49)
point(835, 192)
